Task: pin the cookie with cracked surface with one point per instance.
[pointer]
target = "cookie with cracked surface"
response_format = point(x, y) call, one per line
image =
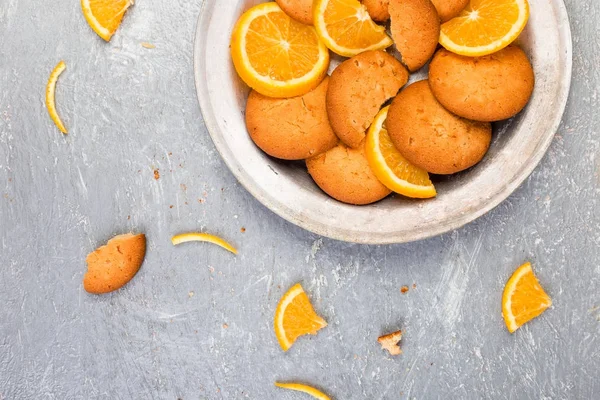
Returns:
point(431, 137)
point(378, 9)
point(291, 129)
point(344, 174)
point(358, 88)
point(448, 9)
point(489, 88)
point(300, 10)
point(415, 29)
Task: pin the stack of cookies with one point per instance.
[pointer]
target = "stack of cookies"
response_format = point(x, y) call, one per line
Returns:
point(440, 126)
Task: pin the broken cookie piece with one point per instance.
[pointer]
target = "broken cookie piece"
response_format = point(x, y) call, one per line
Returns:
point(390, 343)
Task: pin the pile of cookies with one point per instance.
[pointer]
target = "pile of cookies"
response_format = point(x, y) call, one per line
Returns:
point(441, 125)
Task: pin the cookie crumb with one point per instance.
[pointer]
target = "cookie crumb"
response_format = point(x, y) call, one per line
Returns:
point(225, 326)
point(414, 285)
point(148, 45)
point(243, 229)
point(171, 206)
point(390, 343)
point(191, 294)
point(156, 174)
point(404, 289)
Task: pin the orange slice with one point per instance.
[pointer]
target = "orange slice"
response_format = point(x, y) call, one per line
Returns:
point(390, 167)
point(202, 237)
point(317, 394)
point(346, 27)
point(485, 27)
point(295, 317)
point(50, 100)
point(523, 299)
point(105, 16)
point(276, 55)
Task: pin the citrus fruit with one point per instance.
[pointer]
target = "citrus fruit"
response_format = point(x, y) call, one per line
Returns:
point(523, 299)
point(390, 167)
point(276, 55)
point(295, 317)
point(202, 237)
point(105, 16)
point(346, 27)
point(485, 27)
point(50, 101)
point(317, 394)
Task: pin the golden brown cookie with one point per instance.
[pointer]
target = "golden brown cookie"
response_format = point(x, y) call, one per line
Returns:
point(300, 10)
point(110, 267)
point(489, 88)
point(433, 138)
point(448, 9)
point(415, 29)
point(291, 129)
point(378, 9)
point(344, 174)
point(357, 89)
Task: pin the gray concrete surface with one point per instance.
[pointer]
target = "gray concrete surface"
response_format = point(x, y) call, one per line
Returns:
point(196, 322)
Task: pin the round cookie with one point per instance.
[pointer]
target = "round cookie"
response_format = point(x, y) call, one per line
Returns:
point(378, 9)
point(291, 129)
point(448, 9)
point(344, 174)
point(433, 138)
point(300, 10)
point(415, 29)
point(357, 89)
point(489, 88)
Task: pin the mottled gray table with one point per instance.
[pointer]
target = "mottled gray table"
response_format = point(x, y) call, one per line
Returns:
point(196, 322)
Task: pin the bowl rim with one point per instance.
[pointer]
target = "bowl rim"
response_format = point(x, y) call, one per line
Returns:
point(210, 122)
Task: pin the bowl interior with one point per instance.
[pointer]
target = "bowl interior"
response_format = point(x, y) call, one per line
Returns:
point(287, 189)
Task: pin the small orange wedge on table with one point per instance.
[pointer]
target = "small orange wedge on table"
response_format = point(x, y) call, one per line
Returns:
point(299, 387)
point(105, 16)
point(485, 27)
point(524, 298)
point(276, 55)
point(295, 316)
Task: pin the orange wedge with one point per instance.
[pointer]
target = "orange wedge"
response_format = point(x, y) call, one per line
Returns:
point(276, 55)
point(295, 316)
point(524, 298)
point(50, 100)
point(105, 16)
point(390, 167)
point(346, 27)
point(317, 394)
point(202, 237)
point(485, 27)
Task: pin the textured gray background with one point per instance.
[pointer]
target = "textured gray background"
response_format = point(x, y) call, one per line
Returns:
point(131, 110)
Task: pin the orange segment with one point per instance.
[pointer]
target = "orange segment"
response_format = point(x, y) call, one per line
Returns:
point(202, 237)
point(105, 16)
point(295, 316)
point(485, 27)
point(317, 394)
point(50, 100)
point(346, 27)
point(276, 55)
point(524, 298)
point(390, 167)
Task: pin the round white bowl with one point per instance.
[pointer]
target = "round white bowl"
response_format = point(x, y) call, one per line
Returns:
point(287, 189)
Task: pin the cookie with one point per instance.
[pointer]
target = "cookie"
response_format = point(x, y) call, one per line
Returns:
point(415, 29)
point(291, 129)
point(489, 88)
point(344, 174)
point(377, 9)
point(300, 10)
point(431, 137)
point(448, 9)
point(110, 267)
point(357, 89)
